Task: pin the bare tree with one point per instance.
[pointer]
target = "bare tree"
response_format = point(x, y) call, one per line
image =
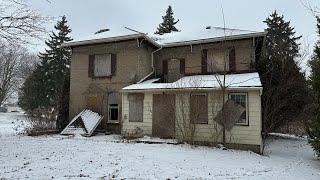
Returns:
point(12, 59)
point(19, 23)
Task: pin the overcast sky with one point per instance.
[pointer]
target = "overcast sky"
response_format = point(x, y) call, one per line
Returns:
point(87, 16)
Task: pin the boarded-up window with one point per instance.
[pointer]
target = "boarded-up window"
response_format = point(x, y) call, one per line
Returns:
point(241, 99)
point(199, 108)
point(175, 70)
point(217, 61)
point(136, 107)
point(102, 65)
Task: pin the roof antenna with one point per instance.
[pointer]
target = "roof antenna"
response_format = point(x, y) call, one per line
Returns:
point(134, 30)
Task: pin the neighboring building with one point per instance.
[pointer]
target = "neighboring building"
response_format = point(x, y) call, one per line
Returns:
point(159, 85)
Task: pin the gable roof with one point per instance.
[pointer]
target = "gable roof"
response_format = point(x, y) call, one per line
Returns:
point(184, 37)
point(232, 81)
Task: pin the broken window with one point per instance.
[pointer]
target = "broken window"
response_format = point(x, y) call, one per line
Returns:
point(113, 107)
point(241, 99)
point(199, 108)
point(135, 107)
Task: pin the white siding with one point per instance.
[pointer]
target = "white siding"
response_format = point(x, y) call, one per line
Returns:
point(146, 124)
point(203, 132)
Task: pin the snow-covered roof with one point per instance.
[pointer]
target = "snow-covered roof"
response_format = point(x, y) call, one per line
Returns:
point(190, 36)
point(232, 81)
point(195, 36)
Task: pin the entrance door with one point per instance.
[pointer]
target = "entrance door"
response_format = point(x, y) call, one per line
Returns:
point(163, 120)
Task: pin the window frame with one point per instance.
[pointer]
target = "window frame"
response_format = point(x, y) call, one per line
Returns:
point(199, 94)
point(247, 107)
point(94, 65)
point(113, 106)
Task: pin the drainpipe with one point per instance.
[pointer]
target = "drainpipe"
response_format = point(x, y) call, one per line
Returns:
point(152, 65)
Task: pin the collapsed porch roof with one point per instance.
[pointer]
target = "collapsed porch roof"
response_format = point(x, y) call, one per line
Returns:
point(232, 81)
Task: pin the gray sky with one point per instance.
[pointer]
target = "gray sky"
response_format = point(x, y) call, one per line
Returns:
point(87, 16)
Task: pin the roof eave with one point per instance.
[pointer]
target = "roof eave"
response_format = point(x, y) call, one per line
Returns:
point(189, 89)
point(102, 40)
point(210, 40)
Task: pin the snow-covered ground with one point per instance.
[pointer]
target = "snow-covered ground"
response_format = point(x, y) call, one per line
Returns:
point(105, 157)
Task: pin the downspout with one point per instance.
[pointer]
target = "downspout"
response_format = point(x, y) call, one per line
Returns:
point(152, 65)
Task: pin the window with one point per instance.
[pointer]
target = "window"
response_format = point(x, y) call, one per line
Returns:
point(217, 60)
point(136, 107)
point(199, 108)
point(113, 107)
point(241, 98)
point(102, 65)
point(174, 69)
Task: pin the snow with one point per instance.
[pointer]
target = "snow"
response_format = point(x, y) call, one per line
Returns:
point(198, 34)
point(113, 32)
point(107, 157)
point(232, 81)
point(183, 36)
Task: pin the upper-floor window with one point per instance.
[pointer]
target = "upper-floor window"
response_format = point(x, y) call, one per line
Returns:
point(217, 60)
point(241, 99)
point(102, 65)
point(173, 69)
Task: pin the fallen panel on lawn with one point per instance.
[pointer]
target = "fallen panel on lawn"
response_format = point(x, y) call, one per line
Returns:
point(84, 123)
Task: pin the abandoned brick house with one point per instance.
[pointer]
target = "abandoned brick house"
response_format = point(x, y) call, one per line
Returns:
point(165, 85)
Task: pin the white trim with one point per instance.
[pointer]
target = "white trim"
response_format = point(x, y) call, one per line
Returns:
point(247, 108)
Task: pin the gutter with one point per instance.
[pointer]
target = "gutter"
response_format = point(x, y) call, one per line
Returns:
point(152, 65)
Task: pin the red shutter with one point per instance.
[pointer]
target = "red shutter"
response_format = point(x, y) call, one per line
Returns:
point(165, 67)
point(204, 59)
point(182, 66)
point(232, 60)
point(91, 66)
point(113, 64)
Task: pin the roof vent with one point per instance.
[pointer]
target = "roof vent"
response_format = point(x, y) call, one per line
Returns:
point(102, 30)
point(208, 27)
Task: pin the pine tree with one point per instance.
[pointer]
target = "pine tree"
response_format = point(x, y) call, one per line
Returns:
point(314, 126)
point(168, 24)
point(50, 79)
point(284, 86)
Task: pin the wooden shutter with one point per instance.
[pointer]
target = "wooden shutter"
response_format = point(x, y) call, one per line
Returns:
point(232, 60)
point(113, 64)
point(204, 59)
point(182, 66)
point(165, 67)
point(91, 66)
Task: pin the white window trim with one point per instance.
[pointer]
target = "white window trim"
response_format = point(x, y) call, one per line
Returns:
point(247, 107)
point(112, 120)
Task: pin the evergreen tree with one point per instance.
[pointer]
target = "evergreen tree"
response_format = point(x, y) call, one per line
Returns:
point(168, 24)
point(314, 126)
point(46, 86)
point(284, 86)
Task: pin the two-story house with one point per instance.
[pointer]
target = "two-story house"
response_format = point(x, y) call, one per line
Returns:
point(172, 85)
